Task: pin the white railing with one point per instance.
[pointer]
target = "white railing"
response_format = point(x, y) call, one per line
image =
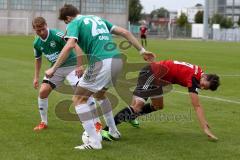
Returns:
point(14, 25)
point(232, 35)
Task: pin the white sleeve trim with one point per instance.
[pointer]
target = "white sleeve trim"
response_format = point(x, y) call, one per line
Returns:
point(38, 57)
point(112, 28)
point(71, 37)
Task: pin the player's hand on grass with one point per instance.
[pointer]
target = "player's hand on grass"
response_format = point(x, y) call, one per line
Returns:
point(210, 135)
point(79, 71)
point(49, 73)
point(35, 83)
point(149, 56)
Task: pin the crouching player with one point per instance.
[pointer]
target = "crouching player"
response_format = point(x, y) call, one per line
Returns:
point(151, 81)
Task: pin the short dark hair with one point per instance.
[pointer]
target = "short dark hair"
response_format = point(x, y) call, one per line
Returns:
point(68, 10)
point(214, 81)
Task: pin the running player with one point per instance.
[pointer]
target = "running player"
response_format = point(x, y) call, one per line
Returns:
point(49, 42)
point(151, 81)
point(93, 35)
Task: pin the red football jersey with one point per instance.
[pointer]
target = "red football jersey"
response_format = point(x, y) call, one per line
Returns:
point(176, 72)
point(143, 30)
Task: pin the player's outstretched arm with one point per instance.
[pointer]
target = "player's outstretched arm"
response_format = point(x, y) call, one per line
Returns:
point(38, 64)
point(62, 57)
point(200, 115)
point(148, 56)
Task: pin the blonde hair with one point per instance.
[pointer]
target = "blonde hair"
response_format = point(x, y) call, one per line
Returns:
point(38, 22)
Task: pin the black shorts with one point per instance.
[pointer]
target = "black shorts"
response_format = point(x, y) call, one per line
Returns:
point(143, 36)
point(146, 86)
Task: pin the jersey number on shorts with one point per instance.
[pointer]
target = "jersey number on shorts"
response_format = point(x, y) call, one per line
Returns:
point(98, 26)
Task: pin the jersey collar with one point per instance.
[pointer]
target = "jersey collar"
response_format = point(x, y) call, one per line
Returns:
point(78, 16)
point(44, 40)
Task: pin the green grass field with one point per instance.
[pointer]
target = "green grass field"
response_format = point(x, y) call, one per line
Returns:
point(163, 135)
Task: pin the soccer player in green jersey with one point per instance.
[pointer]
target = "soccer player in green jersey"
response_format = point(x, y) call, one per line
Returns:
point(93, 34)
point(49, 42)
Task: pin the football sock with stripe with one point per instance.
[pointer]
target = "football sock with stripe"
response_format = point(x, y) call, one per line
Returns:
point(43, 109)
point(92, 104)
point(85, 116)
point(125, 115)
point(122, 116)
point(128, 114)
point(107, 114)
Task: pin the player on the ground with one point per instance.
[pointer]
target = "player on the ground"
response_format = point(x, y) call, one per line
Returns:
point(49, 42)
point(143, 34)
point(151, 82)
point(93, 35)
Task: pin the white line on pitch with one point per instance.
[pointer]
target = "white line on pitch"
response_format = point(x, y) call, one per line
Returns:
point(230, 75)
point(214, 98)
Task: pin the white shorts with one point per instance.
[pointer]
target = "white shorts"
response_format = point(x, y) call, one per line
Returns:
point(60, 75)
point(101, 75)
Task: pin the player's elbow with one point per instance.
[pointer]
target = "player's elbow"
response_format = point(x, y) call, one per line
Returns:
point(126, 33)
point(122, 32)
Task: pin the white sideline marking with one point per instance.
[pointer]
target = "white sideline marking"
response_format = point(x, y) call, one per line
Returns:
point(230, 75)
point(214, 98)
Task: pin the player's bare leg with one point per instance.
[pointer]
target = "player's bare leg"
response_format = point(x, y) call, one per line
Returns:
point(137, 105)
point(44, 92)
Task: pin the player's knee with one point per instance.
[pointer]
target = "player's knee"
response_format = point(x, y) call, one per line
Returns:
point(137, 107)
point(79, 100)
point(75, 100)
point(45, 90)
point(44, 93)
point(99, 96)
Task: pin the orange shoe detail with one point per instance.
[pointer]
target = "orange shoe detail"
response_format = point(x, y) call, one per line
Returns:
point(41, 126)
point(98, 126)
